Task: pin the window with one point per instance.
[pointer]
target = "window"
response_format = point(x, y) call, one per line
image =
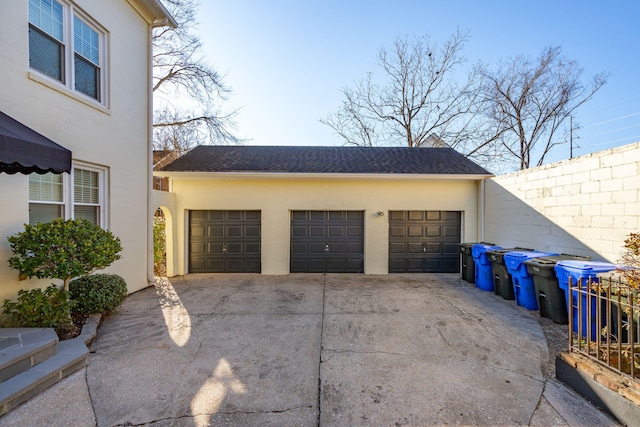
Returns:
point(50, 198)
point(67, 46)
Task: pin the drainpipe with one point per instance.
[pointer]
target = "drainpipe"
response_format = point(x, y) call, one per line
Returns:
point(481, 209)
point(150, 209)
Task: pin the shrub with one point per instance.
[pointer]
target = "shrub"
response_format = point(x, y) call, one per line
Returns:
point(159, 246)
point(631, 260)
point(36, 308)
point(98, 293)
point(63, 249)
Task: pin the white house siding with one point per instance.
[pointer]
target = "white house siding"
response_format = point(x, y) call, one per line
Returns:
point(277, 197)
point(115, 136)
point(583, 206)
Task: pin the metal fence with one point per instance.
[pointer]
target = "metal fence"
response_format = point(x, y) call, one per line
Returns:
point(604, 323)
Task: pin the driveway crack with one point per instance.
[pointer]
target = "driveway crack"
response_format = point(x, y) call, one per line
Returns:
point(324, 297)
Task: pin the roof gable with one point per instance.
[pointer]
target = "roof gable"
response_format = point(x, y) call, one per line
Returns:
point(325, 160)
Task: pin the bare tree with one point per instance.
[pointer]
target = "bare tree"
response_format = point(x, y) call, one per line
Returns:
point(415, 101)
point(527, 102)
point(189, 93)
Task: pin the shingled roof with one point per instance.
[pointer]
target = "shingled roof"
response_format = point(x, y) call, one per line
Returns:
point(325, 160)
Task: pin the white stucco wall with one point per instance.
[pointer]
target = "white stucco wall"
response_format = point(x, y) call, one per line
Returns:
point(277, 197)
point(583, 206)
point(115, 136)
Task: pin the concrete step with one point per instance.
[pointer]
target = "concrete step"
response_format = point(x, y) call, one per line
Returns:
point(23, 348)
point(70, 356)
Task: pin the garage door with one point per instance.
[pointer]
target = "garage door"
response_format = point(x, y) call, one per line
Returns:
point(224, 241)
point(327, 242)
point(424, 241)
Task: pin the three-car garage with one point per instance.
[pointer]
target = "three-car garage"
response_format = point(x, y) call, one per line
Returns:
point(281, 210)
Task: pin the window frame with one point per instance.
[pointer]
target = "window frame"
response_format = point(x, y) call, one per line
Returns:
point(68, 189)
point(68, 83)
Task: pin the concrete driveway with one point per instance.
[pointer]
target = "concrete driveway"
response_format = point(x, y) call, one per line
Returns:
point(325, 350)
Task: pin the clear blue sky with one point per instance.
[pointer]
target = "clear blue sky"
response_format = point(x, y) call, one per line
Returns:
point(287, 60)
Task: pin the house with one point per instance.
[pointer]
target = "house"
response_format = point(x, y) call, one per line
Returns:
point(75, 123)
point(280, 210)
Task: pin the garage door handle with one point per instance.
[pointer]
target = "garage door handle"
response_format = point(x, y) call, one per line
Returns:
point(326, 248)
point(224, 248)
point(424, 248)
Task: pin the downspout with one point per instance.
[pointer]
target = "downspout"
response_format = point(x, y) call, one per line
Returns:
point(150, 209)
point(481, 209)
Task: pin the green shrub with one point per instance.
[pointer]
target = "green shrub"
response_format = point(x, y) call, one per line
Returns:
point(36, 308)
point(97, 293)
point(159, 246)
point(63, 249)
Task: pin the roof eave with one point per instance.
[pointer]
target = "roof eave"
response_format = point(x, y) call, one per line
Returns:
point(199, 175)
point(160, 15)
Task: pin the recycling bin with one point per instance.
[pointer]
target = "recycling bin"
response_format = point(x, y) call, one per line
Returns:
point(502, 282)
point(622, 298)
point(484, 277)
point(583, 270)
point(551, 300)
point(523, 286)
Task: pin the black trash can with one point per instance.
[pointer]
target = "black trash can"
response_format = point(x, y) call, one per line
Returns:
point(552, 301)
point(468, 265)
point(502, 281)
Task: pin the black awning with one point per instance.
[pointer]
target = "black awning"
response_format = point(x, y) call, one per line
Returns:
point(26, 151)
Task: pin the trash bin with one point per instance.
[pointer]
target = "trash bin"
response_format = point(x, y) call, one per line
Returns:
point(523, 287)
point(502, 282)
point(577, 270)
point(468, 267)
point(622, 328)
point(551, 300)
point(484, 278)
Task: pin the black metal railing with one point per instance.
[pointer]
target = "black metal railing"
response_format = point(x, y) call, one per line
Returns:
point(604, 324)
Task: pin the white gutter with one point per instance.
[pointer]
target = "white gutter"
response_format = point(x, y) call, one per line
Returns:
point(188, 175)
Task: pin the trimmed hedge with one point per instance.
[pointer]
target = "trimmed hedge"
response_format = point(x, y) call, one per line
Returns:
point(97, 293)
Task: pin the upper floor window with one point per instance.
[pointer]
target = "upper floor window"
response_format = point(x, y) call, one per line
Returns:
point(67, 46)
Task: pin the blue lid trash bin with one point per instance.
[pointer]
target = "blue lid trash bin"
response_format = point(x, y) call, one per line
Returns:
point(523, 286)
point(483, 274)
point(551, 300)
point(468, 266)
point(583, 270)
point(502, 281)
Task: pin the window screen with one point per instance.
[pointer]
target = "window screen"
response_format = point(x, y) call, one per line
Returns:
point(46, 197)
point(87, 53)
point(86, 195)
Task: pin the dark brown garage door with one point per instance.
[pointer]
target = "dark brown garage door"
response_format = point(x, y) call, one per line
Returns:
point(424, 241)
point(327, 242)
point(224, 242)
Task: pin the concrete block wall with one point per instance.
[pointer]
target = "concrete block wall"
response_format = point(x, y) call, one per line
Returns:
point(583, 206)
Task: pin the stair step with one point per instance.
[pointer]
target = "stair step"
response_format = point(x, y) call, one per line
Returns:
point(23, 348)
point(72, 355)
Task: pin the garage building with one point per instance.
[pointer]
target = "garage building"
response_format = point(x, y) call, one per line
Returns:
point(280, 210)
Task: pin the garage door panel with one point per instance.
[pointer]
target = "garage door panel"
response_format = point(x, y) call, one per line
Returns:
point(397, 231)
point(224, 241)
point(396, 248)
point(415, 216)
point(433, 216)
point(434, 231)
point(424, 241)
point(252, 231)
point(336, 231)
point(415, 231)
point(317, 231)
point(299, 231)
point(334, 241)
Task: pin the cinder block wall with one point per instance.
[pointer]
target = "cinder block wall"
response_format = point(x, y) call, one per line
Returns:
point(583, 206)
